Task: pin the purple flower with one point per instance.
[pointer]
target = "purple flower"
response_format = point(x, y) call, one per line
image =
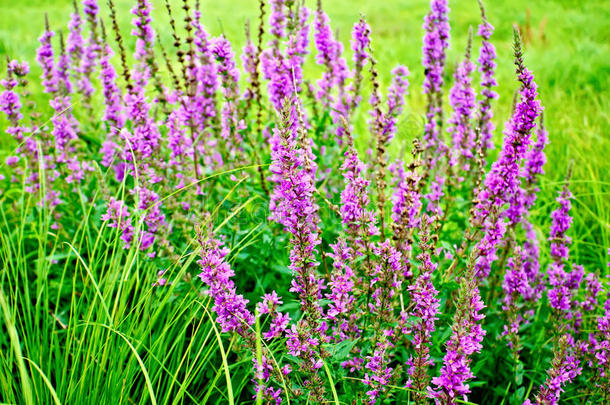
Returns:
point(270, 303)
point(229, 75)
point(564, 368)
point(75, 43)
point(46, 59)
point(378, 373)
point(117, 216)
point(425, 310)
point(465, 340)
point(329, 56)
point(361, 40)
point(436, 41)
point(396, 100)
point(341, 294)
point(92, 50)
point(277, 19)
point(145, 38)
point(406, 203)
point(293, 206)
point(462, 99)
point(278, 326)
point(600, 346)
point(386, 280)
point(114, 115)
point(230, 308)
point(487, 66)
point(560, 293)
point(360, 223)
point(503, 182)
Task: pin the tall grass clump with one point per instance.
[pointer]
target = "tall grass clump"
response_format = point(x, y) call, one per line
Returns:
point(198, 223)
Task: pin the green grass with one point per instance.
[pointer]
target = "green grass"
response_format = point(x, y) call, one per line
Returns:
point(97, 331)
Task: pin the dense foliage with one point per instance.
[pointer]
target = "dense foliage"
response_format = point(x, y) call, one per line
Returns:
point(412, 272)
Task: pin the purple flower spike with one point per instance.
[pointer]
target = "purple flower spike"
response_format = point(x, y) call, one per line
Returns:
point(436, 41)
point(487, 67)
point(564, 368)
point(462, 100)
point(466, 340)
point(216, 273)
point(503, 182)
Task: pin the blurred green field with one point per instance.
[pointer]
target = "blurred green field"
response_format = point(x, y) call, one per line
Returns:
point(567, 47)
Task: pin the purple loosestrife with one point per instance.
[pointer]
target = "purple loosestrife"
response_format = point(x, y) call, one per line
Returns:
point(275, 70)
point(297, 47)
point(383, 291)
point(114, 115)
point(143, 139)
point(229, 77)
point(406, 204)
point(600, 348)
point(275, 66)
point(396, 101)
point(386, 279)
point(516, 284)
point(487, 66)
point(75, 43)
point(117, 215)
point(216, 273)
point(561, 291)
point(524, 197)
point(277, 21)
point(564, 368)
point(359, 222)
point(250, 60)
point(279, 321)
point(436, 41)
point(293, 206)
point(65, 126)
point(204, 99)
point(284, 67)
point(11, 105)
point(335, 69)
point(63, 67)
point(233, 315)
point(10, 102)
point(378, 373)
point(140, 145)
point(503, 181)
point(149, 204)
point(534, 164)
point(92, 50)
point(340, 309)
point(383, 126)
point(145, 38)
point(467, 335)
point(425, 310)
point(326, 56)
point(523, 279)
point(46, 59)
point(462, 99)
point(361, 41)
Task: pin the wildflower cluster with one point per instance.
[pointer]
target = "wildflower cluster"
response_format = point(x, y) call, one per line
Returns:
point(390, 273)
